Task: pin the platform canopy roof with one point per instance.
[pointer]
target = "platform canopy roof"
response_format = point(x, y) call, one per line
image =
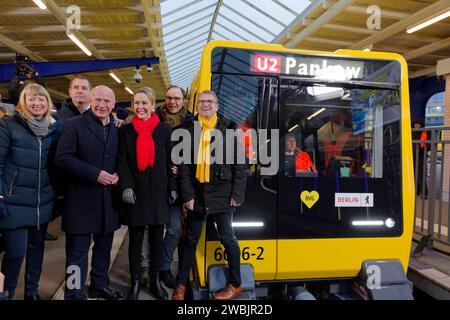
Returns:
point(176, 30)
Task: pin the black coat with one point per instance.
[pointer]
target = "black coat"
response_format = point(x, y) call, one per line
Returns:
point(26, 173)
point(151, 186)
point(81, 154)
point(226, 180)
point(187, 123)
point(67, 111)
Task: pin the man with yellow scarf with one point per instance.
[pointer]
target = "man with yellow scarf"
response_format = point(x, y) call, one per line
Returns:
point(211, 188)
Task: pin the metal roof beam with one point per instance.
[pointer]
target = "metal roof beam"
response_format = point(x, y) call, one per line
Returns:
point(401, 25)
point(391, 14)
point(191, 15)
point(181, 36)
point(179, 45)
point(232, 32)
point(199, 44)
point(432, 47)
point(60, 15)
point(187, 60)
point(249, 20)
point(180, 58)
point(319, 22)
point(246, 30)
point(423, 72)
point(21, 49)
point(348, 28)
point(264, 13)
point(159, 51)
point(285, 7)
point(330, 41)
point(188, 73)
point(180, 8)
point(180, 48)
point(214, 18)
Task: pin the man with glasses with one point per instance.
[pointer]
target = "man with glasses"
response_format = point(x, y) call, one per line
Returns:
point(211, 188)
point(174, 113)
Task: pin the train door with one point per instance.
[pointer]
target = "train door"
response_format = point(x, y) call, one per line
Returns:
point(251, 103)
point(338, 178)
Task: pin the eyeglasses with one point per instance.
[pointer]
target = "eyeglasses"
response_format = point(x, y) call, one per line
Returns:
point(206, 102)
point(173, 98)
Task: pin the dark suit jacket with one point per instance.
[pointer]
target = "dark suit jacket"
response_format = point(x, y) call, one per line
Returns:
point(151, 186)
point(81, 154)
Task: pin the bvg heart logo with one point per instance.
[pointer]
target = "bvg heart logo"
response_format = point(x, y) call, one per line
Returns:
point(309, 198)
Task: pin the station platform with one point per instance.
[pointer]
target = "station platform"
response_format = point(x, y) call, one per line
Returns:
point(429, 272)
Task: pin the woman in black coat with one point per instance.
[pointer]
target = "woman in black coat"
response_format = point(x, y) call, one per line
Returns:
point(27, 146)
point(144, 171)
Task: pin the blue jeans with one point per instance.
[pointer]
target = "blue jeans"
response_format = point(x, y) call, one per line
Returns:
point(171, 240)
point(195, 221)
point(26, 243)
point(77, 249)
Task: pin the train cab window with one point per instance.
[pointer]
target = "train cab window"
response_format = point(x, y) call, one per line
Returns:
point(343, 144)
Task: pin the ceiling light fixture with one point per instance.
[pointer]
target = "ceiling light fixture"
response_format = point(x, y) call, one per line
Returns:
point(428, 22)
point(129, 90)
point(115, 77)
point(79, 44)
point(40, 4)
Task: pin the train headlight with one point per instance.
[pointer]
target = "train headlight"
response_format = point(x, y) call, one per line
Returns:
point(390, 223)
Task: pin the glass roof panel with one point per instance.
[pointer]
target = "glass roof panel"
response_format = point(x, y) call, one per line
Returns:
point(186, 26)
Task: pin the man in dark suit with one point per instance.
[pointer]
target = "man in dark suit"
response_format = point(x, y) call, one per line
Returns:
point(86, 154)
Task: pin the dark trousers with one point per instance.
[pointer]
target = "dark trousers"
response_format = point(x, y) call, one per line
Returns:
point(21, 243)
point(172, 237)
point(77, 249)
point(195, 221)
point(156, 244)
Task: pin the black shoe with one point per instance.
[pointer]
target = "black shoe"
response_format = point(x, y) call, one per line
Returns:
point(168, 279)
point(145, 277)
point(133, 294)
point(33, 297)
point(50, 237)
point(105, 293)
point(155, 287)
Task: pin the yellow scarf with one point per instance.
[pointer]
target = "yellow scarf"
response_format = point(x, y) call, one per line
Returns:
point(204, 156)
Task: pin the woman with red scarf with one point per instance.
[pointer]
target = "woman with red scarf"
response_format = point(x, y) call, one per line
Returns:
point(144, 170)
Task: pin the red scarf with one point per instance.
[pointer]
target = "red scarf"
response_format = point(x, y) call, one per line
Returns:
point(145, 146)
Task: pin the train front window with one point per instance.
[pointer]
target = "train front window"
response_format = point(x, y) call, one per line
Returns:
point(340, 160)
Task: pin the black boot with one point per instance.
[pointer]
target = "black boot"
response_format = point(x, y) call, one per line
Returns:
point(155, 287)
point(133, 294)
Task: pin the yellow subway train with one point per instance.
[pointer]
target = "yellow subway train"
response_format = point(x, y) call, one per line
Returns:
point(343, 228)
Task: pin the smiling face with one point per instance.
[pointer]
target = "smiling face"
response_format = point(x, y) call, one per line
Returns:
point(142, 106)
point(102, 102)
point(174, 100)
point(36, 104)
point(207, 105)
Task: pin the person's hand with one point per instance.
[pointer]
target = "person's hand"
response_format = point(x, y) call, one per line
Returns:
point(106, 179)
point(3, 212)
point(128, 196)
point(175, 171)
point(118, 123)
point(116, 181)
point(190, 205)
point(173, 197)
point(234, 203)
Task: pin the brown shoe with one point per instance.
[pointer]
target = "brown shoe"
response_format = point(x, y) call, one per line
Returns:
point(228, 293)
point(178, 293)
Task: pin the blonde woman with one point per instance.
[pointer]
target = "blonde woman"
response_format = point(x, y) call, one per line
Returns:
point(27, 144)
point(144, 171)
